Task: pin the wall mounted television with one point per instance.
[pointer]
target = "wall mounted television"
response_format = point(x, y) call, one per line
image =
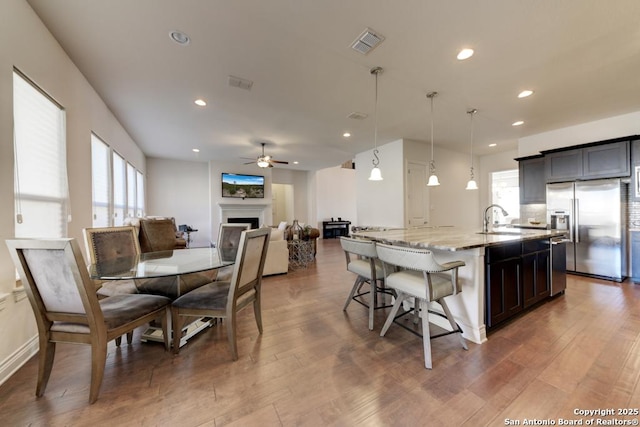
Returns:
point(242, 186)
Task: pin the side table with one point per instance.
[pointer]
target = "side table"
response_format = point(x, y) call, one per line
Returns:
point(300, 253)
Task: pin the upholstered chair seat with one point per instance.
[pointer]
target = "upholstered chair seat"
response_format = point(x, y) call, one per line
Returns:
point(416, 275)
point(362, 260)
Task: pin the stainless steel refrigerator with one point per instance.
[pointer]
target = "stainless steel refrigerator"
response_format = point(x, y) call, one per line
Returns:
point(593, 213)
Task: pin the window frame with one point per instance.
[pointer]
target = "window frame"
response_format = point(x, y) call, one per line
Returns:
point(131, 207)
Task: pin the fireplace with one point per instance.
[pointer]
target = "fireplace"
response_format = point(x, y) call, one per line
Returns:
point(229, 211)
point(254, 221)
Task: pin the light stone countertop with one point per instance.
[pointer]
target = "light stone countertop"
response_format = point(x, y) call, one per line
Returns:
point(454, 238)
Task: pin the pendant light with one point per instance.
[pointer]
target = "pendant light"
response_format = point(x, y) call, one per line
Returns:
point(433, 178)
point(471, 185)
point(376, 175)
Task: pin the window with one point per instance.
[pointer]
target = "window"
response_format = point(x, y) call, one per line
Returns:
point(505, 191)
point(40, 165)
point(118, 188)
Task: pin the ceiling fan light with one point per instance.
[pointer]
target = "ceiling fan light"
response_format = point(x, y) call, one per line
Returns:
point(433, 181)
point(376, 175)
point(263, 162)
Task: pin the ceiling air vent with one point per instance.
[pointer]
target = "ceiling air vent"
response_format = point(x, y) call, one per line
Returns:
point(241, 83)
point(367, 41)
point(357, 116)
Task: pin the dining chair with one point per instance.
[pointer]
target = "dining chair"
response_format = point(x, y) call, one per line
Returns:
point(229, 239)
point(227, 246)
point(108, 244)
point(362, 259)
point(225, 299)
point(415, 273)
point(159, 234)
point(67, 308)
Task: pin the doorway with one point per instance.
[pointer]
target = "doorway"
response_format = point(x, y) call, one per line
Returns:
point(282, 203)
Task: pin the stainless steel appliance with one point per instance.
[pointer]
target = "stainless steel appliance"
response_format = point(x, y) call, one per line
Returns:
point(558, 264)
point(593, 213)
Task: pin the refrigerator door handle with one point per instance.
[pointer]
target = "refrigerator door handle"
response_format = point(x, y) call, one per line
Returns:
point(577, 221)
point(572, 217)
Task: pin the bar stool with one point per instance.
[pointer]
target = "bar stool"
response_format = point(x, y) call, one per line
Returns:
point(368, 269)
point(421, 277)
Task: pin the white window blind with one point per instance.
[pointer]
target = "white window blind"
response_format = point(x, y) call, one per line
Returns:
point(40, 180)
point(139, 194)
point(101, 182)
point(118, 187)
point(131, 190)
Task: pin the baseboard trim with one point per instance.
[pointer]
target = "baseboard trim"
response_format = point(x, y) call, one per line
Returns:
point(21, 356)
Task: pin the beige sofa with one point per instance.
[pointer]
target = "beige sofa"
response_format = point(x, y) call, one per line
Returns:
point(277, 261)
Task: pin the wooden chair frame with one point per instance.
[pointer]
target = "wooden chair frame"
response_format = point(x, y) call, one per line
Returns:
point(243, 289)
point(77, 317)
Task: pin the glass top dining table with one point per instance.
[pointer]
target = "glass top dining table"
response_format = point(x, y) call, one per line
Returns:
point(159, 264)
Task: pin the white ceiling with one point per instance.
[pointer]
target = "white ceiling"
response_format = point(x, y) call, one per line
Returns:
point(581, 57)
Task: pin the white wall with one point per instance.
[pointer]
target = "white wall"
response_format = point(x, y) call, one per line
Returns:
point(215, 178)
point(599, 130)
point(336, 195)
point(303, 193)
point(381, 203)
point(181, 189)
point(26, 44)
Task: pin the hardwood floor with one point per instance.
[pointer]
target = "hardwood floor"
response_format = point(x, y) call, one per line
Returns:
point(318, 366)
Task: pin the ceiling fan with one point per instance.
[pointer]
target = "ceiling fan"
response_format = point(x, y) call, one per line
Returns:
point(265, 161)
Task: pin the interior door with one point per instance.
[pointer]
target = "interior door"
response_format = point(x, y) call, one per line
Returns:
point(417, 195)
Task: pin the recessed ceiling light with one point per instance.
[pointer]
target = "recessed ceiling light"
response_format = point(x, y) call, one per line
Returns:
point(296, 162)
point(346, 134)
point(492, 145)
point(195, 150)
point(200, 102)
point(465, 54)
point(179, 37)
point(518, 123)
point(525, 93)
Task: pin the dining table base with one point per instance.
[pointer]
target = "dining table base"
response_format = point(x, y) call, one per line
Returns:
point(154, 333)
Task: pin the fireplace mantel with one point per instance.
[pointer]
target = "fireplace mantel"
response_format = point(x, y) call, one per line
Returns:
point(234, 210)
point(241, 206)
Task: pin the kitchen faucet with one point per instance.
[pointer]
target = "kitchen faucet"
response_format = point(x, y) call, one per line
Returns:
point(486, 216)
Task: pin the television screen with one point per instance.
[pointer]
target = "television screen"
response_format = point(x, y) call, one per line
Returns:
point(242, 186)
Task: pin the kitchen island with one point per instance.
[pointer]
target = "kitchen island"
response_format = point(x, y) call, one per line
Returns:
point(452, 243)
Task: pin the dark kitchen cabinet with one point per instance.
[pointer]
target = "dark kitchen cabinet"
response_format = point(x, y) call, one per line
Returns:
point(532, 180)
point(606, 161)
point(504, 291)
point(518, 275)
point(536, 272)
point(563, 165)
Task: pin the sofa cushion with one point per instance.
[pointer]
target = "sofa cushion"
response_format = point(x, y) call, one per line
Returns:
point(277, 234)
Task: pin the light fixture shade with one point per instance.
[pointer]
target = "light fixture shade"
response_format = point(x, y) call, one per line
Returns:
point(471, 185)
point(433, 181)
point(263, 163)
point(376, 175)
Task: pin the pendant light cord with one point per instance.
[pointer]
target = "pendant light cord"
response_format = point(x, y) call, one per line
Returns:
point(376, 160)
point(471, 113)
point(432, 163)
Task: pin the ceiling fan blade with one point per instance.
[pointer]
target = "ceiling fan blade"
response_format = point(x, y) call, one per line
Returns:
point(249, 163)
point(279, 161)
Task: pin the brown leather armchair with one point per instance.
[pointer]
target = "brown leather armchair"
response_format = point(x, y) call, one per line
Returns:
point(159, 234)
